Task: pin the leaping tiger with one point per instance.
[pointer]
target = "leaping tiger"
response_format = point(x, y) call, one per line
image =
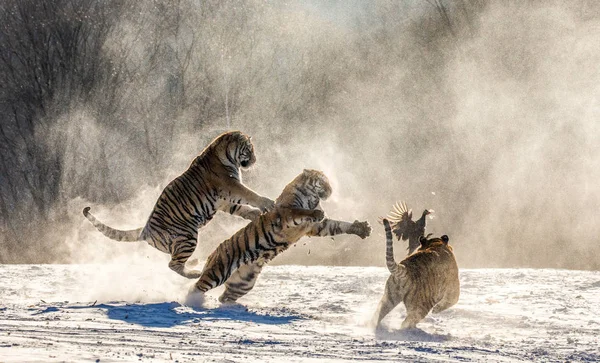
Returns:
point(212, 182)
point(306, 192)
point(259, 241)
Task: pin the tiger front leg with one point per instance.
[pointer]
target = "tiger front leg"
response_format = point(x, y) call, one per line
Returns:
point(237, 193)
point(298, 216)
point(330, 227)
point(242, 210)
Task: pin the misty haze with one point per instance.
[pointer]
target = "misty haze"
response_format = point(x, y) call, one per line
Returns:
point(487, 112)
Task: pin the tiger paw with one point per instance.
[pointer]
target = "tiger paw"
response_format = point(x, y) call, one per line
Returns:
point(192, 274)
point(266, 204)
point(361, 229)
point(318, 215)
point(252, 215)
point(194, 299)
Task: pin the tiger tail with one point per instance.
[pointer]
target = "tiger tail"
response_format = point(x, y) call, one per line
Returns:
point(133, 235)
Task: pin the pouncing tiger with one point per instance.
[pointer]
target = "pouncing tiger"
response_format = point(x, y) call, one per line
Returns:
point(306, 191)
point(212, 182)
point(426, 280)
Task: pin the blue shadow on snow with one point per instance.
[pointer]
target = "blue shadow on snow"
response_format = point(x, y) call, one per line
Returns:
point(169, 314)
point(409, 335)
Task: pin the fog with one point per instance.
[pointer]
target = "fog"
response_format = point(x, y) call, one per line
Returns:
point(487, 114)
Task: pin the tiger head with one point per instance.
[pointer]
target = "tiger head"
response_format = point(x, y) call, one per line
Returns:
point(246, 156)
point(316, 181)
point(427, 242)
point(306, 190)
point(236, 148)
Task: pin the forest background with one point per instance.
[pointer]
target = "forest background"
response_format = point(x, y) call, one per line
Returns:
point(486, 111)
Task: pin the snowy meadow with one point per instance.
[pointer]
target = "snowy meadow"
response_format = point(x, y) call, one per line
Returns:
point(115, 313)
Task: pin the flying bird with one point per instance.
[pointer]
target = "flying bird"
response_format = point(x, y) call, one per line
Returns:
point(405, 228)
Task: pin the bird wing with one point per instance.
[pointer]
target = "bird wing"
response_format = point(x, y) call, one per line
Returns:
point(401, 220)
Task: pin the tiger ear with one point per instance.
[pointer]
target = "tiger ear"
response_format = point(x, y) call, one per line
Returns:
point(445, 239)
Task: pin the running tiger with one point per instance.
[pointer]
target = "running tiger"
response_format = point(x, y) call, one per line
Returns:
point(303, 193)
point(425, 280)
point(212, 182)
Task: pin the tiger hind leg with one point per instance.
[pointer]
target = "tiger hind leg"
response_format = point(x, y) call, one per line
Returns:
point(413, 316)
point(180, 268)
point(390, 299)
point(179, 258)
point(447, 301)
point(213, 275)
point(385, 306)
point(241, 282)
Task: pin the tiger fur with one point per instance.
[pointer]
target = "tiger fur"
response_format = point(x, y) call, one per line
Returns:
point(212, 182)
point(306, 191)
point(426, 280)
point(260, 241)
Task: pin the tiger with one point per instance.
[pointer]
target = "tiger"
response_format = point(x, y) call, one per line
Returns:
point(425, 281)
point(212, 183)
point(239, 260)
point(305, 191)
point(260, 240)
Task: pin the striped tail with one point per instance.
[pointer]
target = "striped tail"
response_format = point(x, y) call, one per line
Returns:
point(389, 248)
point(115, 234)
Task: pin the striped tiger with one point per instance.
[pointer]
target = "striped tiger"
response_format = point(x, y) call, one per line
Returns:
point(306, 191)
point(425, 280)
point(212, 182)
point(259, 241)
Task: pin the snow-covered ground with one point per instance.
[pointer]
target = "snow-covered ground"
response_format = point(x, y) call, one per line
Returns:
point(132, 313)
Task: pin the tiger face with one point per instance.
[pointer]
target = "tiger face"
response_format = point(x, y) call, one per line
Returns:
point(241, 150)
point(306, 190)
point(317, 182)
point(247, 157)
